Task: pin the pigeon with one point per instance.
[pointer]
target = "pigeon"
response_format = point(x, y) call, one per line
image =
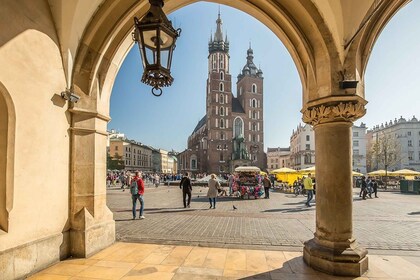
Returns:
point(198, 196)
point(234, 207)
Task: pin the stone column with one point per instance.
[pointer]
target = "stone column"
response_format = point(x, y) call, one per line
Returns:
point(333, 249)
point(92, 224)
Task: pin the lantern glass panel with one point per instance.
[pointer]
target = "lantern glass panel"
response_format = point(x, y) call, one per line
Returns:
point(150, 38)
point(151, 57)
point(166, 39)
point(164, 58)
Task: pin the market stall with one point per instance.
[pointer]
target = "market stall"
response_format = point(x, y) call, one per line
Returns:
point(248, 182)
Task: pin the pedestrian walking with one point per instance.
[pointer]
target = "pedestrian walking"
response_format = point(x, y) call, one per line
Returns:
point(267, 186)
point(137, 192)
point(213, 185)
point(375, 187)
point(309, 187)
point(186, 187)
point(231, 179)
point(363, 186)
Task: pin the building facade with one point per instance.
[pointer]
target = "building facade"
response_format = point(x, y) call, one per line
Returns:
point(231, 133)
point(134, 155)
point(302, 147)
point(399, 140)
point(278, 158)
point(359, 148)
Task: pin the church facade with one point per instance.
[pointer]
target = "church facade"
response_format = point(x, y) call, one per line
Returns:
point(231, 133)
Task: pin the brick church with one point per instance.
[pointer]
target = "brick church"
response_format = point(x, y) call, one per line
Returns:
point(231, 133)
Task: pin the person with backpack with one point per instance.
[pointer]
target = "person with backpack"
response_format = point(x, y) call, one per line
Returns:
point(186, 187)
point(137, 192)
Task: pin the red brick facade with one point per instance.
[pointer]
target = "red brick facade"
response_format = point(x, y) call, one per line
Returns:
point(216, 144)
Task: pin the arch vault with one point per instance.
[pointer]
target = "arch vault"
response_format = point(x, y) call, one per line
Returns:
point(51, 45)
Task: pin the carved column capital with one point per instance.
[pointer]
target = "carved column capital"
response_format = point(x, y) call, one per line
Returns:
point(347, 111)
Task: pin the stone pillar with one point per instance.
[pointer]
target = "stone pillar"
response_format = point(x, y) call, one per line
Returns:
point(92, 224)
point(333, 249)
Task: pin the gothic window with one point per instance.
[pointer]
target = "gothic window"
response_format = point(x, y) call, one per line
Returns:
point(240, 93)
point(225, 147)
point(221, 76)
point(238, 127)
point(222, 99)
point(214, 61)
point(222, 136)
point(226, 99)
point(217, 110)
point(222, 123)
point(222, 111)
point(254, 88)
point(221, 157)
point(254, 115)
point(254, 103)
point(254, 139)
point(307, 137)
point(254, 127)
point(222, 59)
point(217, 97)
point(221, 87)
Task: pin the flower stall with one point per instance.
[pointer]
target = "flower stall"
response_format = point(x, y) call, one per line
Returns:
point(248, 182)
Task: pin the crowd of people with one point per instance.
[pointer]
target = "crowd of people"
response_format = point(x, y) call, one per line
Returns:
point(368, 186)
point(136, 183)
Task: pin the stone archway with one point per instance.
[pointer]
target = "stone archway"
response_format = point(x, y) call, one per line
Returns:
point(322, 61)
point(7, 139)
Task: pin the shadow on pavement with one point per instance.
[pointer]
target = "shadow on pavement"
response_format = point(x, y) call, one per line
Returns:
point(414, 213)
point(290, 210)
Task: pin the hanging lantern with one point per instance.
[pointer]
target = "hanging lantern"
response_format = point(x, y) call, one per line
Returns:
point(156, 39)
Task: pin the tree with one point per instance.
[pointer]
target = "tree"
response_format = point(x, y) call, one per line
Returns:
point(115, 162)
point(385, 152)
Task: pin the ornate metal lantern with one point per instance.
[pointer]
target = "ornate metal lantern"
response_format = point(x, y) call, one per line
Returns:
point(156, 38)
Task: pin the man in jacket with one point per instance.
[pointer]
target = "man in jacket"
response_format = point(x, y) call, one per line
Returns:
point(309, 187)
point(137, 179)
point(267, 186)
point(186, 187)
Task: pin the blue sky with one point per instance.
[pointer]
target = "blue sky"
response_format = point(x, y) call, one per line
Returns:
point(167, 121)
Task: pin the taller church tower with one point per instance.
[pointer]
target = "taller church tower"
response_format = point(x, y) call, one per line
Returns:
point(218, 102)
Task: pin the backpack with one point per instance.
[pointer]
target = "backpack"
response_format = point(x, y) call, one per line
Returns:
point(134, 188)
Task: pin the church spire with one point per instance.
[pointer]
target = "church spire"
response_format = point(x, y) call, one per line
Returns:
point(218, 43)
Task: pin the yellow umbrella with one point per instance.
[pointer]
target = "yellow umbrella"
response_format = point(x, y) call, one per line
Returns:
point(307, 170)
point(283, 170)
point(380, 172)
point(406, 172)
point(285, 174)
point(357, 173)
point(263, 173)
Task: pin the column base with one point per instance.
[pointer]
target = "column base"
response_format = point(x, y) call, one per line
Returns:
point(92, 237)
point(350, 261)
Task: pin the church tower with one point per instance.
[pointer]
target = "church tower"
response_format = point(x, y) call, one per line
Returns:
point(250, 95)
point(219, 102)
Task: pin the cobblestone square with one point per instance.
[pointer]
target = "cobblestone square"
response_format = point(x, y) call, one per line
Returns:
point(390, 222)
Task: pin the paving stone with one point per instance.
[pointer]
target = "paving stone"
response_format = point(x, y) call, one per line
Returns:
point(379, 224)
